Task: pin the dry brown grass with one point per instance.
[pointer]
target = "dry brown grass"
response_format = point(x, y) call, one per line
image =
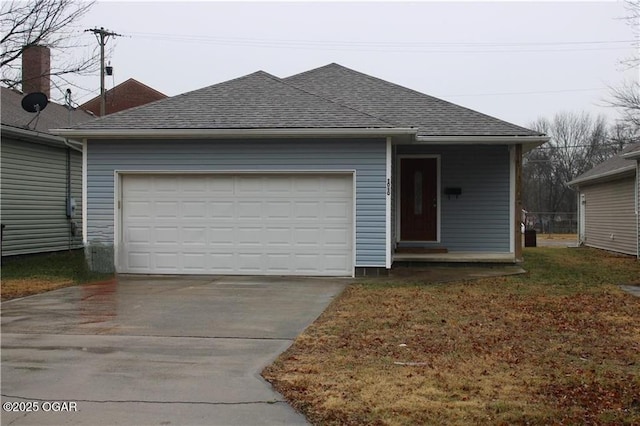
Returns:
point(32, 274)
point(515, 350)
point(21, 287)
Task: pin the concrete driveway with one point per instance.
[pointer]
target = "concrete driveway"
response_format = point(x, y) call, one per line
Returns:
point(156, 351)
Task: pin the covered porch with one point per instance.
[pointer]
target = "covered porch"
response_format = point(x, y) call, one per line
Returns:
point(455, 204)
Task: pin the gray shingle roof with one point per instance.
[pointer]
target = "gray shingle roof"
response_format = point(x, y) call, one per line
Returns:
point(614, 165)
point(255, 101)
point(401, 106)
point(54, 116)
point(327, 97)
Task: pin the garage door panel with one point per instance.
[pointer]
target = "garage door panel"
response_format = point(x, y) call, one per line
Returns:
point(166, 234)
point(248, 210)
point(194, 236)
point(336, 238)
point(140, 209)
point(222, 224)
point(137, 234)
point(137, 260)
point(167, 209)
point(278, 210)
point(194, 262)
point(222, 209)
point(279, 236)
point(221, 236)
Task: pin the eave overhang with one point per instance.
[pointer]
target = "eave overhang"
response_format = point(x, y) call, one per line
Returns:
point(233, 133)
point(32, 135)
point(528, 142)
point(604, 177)
point(633, 155)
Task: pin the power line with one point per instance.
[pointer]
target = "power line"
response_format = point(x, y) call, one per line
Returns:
point(400, 46)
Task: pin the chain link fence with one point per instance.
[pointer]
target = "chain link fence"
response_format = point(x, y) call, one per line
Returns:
point(551, 223)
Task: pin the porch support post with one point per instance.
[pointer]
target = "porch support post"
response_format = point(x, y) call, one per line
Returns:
point(388, 190)
point(85, 226)
point(518, 202)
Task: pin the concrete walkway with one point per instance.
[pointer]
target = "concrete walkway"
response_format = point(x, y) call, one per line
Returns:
point(162, 351)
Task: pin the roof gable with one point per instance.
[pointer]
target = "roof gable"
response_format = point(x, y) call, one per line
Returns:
point(128, 94)
point(255, 101)
point(400, 105)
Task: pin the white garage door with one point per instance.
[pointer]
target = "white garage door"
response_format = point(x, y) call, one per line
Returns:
point(250, 224)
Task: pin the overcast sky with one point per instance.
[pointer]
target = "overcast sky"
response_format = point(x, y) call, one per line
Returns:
point(513, 60)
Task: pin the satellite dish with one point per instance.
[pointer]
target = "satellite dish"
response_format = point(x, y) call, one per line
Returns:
point(35, 102)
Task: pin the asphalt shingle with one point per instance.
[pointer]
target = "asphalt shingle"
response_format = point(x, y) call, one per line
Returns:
point(614, 164)
point(255, 101)
point(332, 96)
point(54, 116)
point(401, 106)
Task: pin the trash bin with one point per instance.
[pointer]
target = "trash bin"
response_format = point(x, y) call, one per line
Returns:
point(530, 238)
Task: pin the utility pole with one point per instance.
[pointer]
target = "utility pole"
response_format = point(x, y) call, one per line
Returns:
point(102, 35)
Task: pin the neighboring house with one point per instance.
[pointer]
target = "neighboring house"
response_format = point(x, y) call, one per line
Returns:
point(608, 198)
point(41, 175)
point(128, 94)
point(328, 172)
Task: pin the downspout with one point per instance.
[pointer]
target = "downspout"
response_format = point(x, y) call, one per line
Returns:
point(68, 197)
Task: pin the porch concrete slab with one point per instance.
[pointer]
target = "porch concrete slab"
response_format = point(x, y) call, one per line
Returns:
point(455, 257)
point(157, 350)
point(443, 274)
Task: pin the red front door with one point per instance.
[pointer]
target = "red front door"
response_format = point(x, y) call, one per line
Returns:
point(418, 199)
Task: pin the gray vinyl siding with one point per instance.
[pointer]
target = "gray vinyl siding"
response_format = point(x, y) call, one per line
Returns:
point(610, 218)
point(34, 193)
point(366, 157)
point(479, 219)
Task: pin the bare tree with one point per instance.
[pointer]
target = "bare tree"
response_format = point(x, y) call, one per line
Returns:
point(627, 97)
point(578, 142)
point(51, 23)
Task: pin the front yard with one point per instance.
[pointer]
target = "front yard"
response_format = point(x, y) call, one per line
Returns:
point(33, 274)
point(558, 345)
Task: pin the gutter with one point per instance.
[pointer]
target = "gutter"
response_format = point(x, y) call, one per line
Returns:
point(231, 133)
point(39, 137)
point(633, 155)
point(528, 142)
point(604, 176)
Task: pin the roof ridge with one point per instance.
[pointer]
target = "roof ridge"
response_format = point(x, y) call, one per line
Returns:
point(404, 88)
point(335, 102)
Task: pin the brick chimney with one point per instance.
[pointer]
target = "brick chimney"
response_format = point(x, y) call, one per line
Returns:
point(36, 70)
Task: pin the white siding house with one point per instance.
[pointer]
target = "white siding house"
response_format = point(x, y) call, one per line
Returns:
point(608, 203)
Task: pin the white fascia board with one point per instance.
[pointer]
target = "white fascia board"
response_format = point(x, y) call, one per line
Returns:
point(634, 155)
point(528, 142)
point(613, 174)
point(232, 133)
